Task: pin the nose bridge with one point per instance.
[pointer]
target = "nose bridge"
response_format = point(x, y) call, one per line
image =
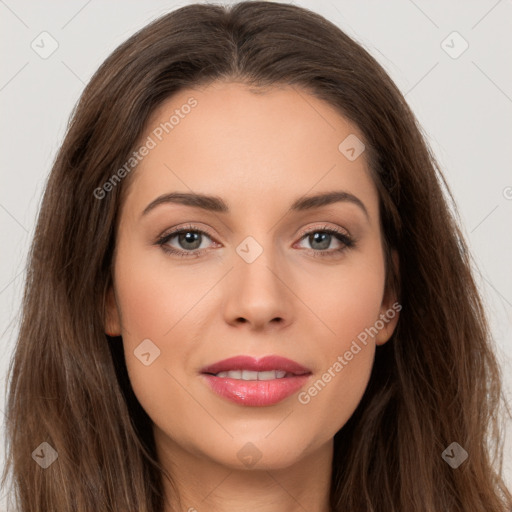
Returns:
point(256, 288)
point(257, 264)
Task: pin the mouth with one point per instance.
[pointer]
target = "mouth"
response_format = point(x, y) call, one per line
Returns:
point(255, 382)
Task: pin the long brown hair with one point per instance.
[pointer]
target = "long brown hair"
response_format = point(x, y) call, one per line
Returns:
point(435, 382)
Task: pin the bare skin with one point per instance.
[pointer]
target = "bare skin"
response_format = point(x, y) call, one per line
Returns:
point(259, 153)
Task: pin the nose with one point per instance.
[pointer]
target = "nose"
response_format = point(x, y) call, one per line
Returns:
point(257, 293)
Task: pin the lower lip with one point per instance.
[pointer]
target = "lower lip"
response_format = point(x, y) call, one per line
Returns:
point(256, 393)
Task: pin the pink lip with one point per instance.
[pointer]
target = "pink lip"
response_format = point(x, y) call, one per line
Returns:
point(258, 365)
point(256, 393)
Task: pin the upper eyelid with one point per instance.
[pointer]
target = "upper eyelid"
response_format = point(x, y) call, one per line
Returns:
point(176, 231)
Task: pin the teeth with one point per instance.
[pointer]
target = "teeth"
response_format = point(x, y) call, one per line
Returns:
point(252, 375)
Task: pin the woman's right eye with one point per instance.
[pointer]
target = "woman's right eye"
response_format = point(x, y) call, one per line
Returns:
point(187, 238)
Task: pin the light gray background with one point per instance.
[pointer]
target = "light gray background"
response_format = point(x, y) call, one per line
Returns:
point(464, 105)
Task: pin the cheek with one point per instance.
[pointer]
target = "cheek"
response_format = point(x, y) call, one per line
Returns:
point(350, 300)
point(347, 356)
point(147, 305)
point(350, 306)
point(157, 305)
point(152, 296)
point(153, 309)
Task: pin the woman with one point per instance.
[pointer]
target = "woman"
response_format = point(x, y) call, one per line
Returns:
point(253, 370)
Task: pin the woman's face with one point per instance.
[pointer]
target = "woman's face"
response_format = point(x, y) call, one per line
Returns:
point(267, 277)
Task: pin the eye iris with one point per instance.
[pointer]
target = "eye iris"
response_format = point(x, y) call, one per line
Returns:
point(190, 237)
point(323, 238)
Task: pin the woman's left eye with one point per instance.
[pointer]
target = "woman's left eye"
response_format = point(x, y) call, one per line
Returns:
point(190, 239)
point(323, 238)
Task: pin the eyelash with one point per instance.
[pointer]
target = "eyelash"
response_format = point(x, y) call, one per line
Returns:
point(347, 241)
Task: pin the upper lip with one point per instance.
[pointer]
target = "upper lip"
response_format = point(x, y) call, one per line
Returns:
point(263, 364)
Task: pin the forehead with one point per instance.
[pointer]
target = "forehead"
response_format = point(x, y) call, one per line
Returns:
point(250, 146)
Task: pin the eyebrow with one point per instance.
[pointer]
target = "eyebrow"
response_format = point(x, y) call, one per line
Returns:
point(217, 204)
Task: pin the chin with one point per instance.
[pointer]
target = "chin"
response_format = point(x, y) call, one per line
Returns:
point(259, 453)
